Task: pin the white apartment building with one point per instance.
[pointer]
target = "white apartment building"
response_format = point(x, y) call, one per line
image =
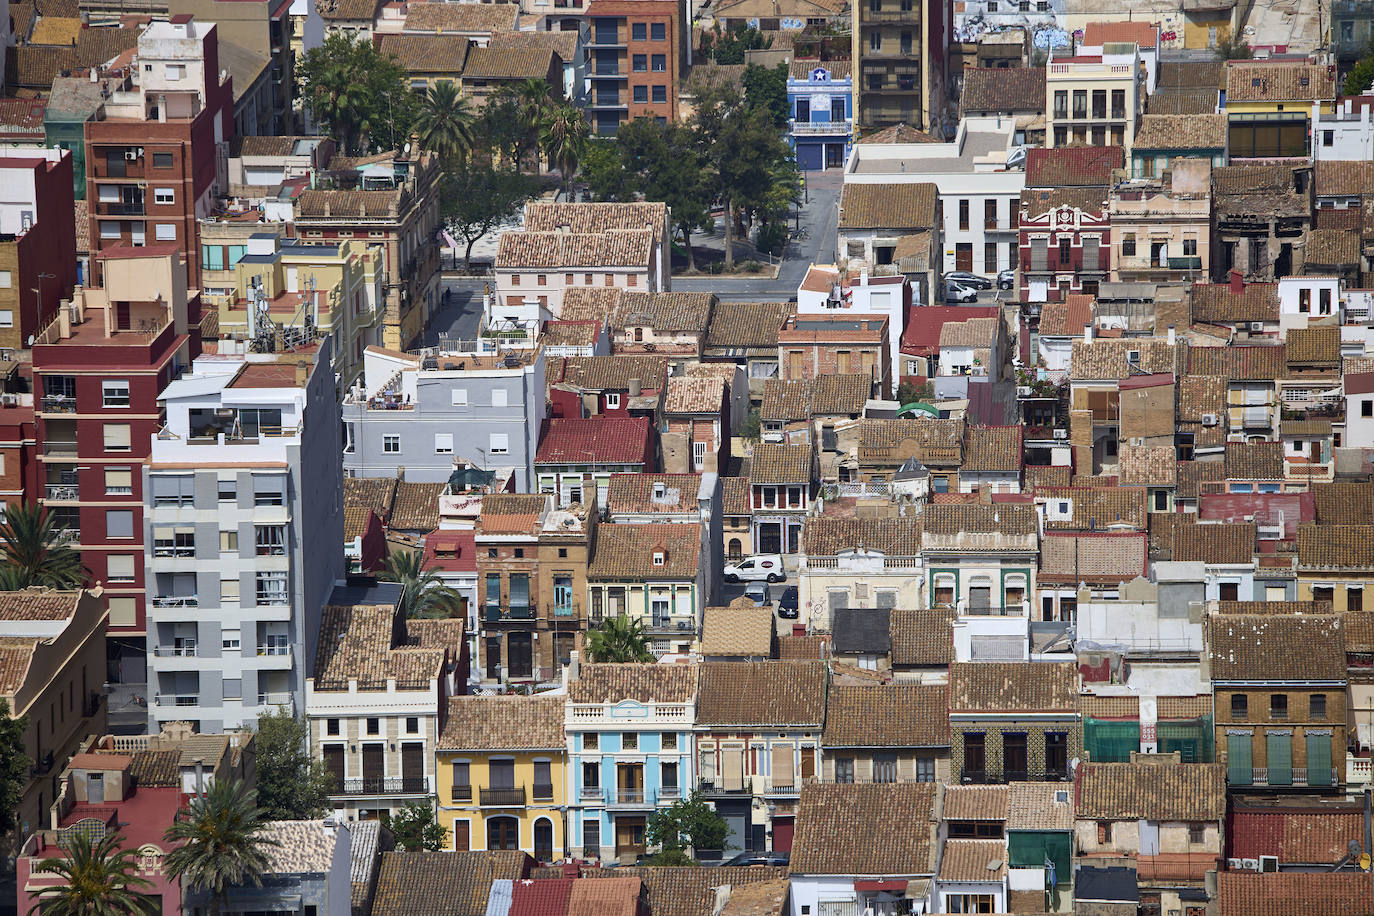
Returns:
point(244, 512)
point(1095, 99)
point(1346, 134)
point(979, 176)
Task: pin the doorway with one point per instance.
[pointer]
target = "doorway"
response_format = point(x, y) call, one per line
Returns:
point(374, 768)
point(770, 537)
point(629, 838)
point(963, 256)
point(784, 828)
point(503, 833)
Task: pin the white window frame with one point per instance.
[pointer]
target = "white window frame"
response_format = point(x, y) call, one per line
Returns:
point(388, 441)
point(499, 444)
point(110, 393)
point(499, 397)
point(164, 195)
point(165, 232)
point(459, 397)
point(612, 400)
point(443, 443)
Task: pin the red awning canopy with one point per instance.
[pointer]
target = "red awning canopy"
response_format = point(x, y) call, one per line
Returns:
point(897, 885)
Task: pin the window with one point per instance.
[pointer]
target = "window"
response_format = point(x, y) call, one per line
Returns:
point(975, 756)
point(270, 540)
point(119, 523)
point(166, 232)
point(123, 612)
point(1328, 138)
point(1240, 707)
point(6, 318)
point(120, 567)
point(613, 400)
point(844, 769)
point(658, 31)
point(1278, 706)
point(164, 196)
point(1354, 598)
point(117, 437)
point(629, 741)
point(228, 541)
point(1324, 301)
point(6, 280)
point(660, 94)
point(1104, 832)
point(641, 93)
point(119, 481)
point(229, 591)
point(459, 397)
point(374, 726)
point(1304, 300)
point(231, 641)
point(391, 443)
point(591, 741)
point(331, 726)
point(174, 71)
point(1366, 410)
point(639, 31)
point(115, 393)
point(443, 443)
point(591, 836)
point(499, 444)
point(1065, 248)
point(228, 491)
point(640, 63)
point(1080, 103)
point(267, 491)
point(271, 588)
point(669, 741)
point(1061, 103)
point(412, 725)
point(1128, 245)
point(162, 160)
point(963, 215)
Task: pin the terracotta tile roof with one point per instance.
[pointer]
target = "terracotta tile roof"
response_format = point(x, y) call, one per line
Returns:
point(613, 373)
point(504, 723)
point(803, 646)
point(837, 824)
point(438, 633)
point(1044, 475)
point(1264, 82)
point(1068, 318)
point(975, 332)
point(542, 216)
point(1093, 557)
point(1008, 519)
point(626, 552)
point(607, 897)
point(766, 898)
point(922, 637)
point(1273, 607)
point(635, 493)
point(1342, 178)
point(993, 448)
point(781, 464)
point(643, 683)
point(356, 643)
point(1155, 791)
point(426, 53)
point(1344, 503)
point(1298, 837)
point(299, 847)
point(342, 206)
point(675, 891)
point(558, 250)
point(1214, 544)
point(1251, 648)
point(1214, 303)
point(801, 67)
point(1037, 806)
point(1072, 166)
point(976, 803)
point(666, 311)
point(734, 496)
point(1191, 74)
point(898, 133)
point(1037, 202)
point(1241, 893)
point(1144, 34)
point(737, 632)
point(511, 513)
point(694, 395)
point(1335, 248)
point(895, 205)
point(21, 117)
point(357, 519)
point(1096, 508)
point(890, 442)
point(1184, 707)
point(416, 507)
point(38, 604)
point(156, 769)
point(887, 715)
point(1147, 466)
point(1102, 360)
point(1335, 547)
point(1181, 131)
point(1110, 707)
point(1008, 687)
point(593, 303)
point(765, 694)
point(542, 894)
point(1307, 346)
point(1255, 460)
point(825, 395)
point(443, 883)
point(564, 44)
point(565, 333)
point(1239, 363)
point(349, 9)
point(1193, 473)
point(745, 325)
point(826, 536)
point(973, 860)
point(608, 440)
point(486, 17)
point(1351, 218)
point(1186, 101)
point(1009, 89)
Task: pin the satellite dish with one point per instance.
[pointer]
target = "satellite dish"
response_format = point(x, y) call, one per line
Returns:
point(1364, 861)
point(407, 149)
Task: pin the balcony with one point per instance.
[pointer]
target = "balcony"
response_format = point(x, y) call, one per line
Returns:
point(59, 449)
point(826, 128)
point(870, 17)
point(591, 794)
point(542, 793)
point(790, 788)
point(120, 208)
point(176, 699)
point(385, 785)
point(717, 787)
point(628, 798)
point(667, 793)
point(176, 601)
point(274, 650)
point(565, 610)
point(275, 698)
point(503, 798)
point(460, 794)
point(495, 614)
point(62, 492)
point(181, 551)
point(57, 403)
point(182, 651)
point(670, 626)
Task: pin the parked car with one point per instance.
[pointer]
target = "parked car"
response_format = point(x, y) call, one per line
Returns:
point(967, 278)
point(958, 292)
point(788, 604)
point(758, 858)
point(757, 592)
point(1006, 279)
point(764, 567)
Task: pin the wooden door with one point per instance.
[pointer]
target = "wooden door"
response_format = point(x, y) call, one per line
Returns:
point(783, 830)
point(413, 766)
point(334, 763)
point(963, 256)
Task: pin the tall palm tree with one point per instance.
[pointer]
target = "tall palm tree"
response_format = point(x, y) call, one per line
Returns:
point(619, 639)
point(534, 97)
point(222, 839)
point(426, 595)
point(445, 123)
point(563, 137)
point(98, 879)
point(33, 551)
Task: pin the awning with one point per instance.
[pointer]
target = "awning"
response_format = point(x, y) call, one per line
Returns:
point(917, 888)
point(898, 885)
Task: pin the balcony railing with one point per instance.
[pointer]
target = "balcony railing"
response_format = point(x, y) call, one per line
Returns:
point(800, 128)
point(627, 797)
point(57, 403)
point(184, 551)
point(591, 793)
point(175, 651)
point(63, 491)
point(120, 208)
point(494, 614)
point(274, 650)
point(460, 794)
point(385, 785)
point(176, 699)
point(275, 698)
point(669, 792)
point(59, 448)
point(542, 792)
point(176, 601)
point(503, 798)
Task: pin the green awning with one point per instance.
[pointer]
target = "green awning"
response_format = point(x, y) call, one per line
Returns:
point(1030, 849)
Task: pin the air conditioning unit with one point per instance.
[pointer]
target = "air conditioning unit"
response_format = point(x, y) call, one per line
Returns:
point(131, 155)
point(1250, 864)
point(1257, 326)
point(9, 400)
point(1269, 863)
point(1061, 434)
point(1233, 864)
point(1209, 419)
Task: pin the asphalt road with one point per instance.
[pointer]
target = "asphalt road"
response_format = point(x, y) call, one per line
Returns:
point(460, 317)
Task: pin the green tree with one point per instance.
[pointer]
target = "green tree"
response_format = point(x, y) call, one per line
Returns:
point(292, 785)
point(475, 199)
point(563, 137)
point(222, 842)
point(745, 152)
point(34, 552)
point(664, 163)
point(766, 88)
point(98, 879)
point(1233, 48)
point(688, 824)
point(534, 98)
point(728, 46)
point(426, 595)
point(907, 392)
point(603, 171)
point(354, 91)
point(752, 427)
point(416, 830)
point(14, 767)
point(619, 639)
point(1360, 77)
point(444, 123)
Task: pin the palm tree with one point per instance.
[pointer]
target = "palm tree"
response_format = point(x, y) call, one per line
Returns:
point(223, 846)
point(619, 639)
point(563, 137)
point(97, 880)
point(425, 595)
point(445, 123)
point(33, 551)
point(534, 98)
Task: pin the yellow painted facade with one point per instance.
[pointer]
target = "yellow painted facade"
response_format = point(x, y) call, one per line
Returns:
point(1201, 30)
point(1347, 590)
point(530, 815)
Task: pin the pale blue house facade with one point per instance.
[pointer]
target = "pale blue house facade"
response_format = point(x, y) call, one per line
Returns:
point(820, 96)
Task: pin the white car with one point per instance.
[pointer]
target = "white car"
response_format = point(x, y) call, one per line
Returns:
point(764, 567)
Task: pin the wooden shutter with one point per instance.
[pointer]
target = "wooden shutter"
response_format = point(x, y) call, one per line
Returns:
point(782, 765)
point(732, 767)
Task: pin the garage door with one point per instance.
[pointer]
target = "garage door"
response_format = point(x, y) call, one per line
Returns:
point(783, 829)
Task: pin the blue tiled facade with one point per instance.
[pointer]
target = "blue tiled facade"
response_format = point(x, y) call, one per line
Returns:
point(822, 110)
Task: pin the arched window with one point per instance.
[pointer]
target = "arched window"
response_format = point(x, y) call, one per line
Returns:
point(543, 839)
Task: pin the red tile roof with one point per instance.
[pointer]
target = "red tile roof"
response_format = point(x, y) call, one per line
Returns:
point(1096, 34)
point(610, 440)
point(1072, 166)
point(921, 337)
point(451, 551)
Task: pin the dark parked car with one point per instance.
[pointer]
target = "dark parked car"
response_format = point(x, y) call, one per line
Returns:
point(968, 278)
point(1006, 279)
point(788, 604)
point(758, 858)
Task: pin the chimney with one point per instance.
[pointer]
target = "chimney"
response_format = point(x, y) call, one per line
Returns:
point(1237, 283)
point(574, 666)
point(1088, 332)
point(1172, 339)
point(636, 388)
point(200, 776)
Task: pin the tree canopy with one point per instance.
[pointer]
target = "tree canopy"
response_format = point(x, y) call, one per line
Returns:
point(222, 841)
point(416, 830)
point(727, 46)
point(356, 93)
point(98, 879)
point(292, 785)
point(687, 823)
point(476, 198)
point(619, 639)
point(34, 552)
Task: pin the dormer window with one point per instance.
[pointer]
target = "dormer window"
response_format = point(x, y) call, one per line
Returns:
point(660, 556)
point(660, 491)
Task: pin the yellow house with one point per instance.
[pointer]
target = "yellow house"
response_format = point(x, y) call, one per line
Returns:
point(1269, 106)
point(427, 59)
point(1334, 564)
point(501, 775)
